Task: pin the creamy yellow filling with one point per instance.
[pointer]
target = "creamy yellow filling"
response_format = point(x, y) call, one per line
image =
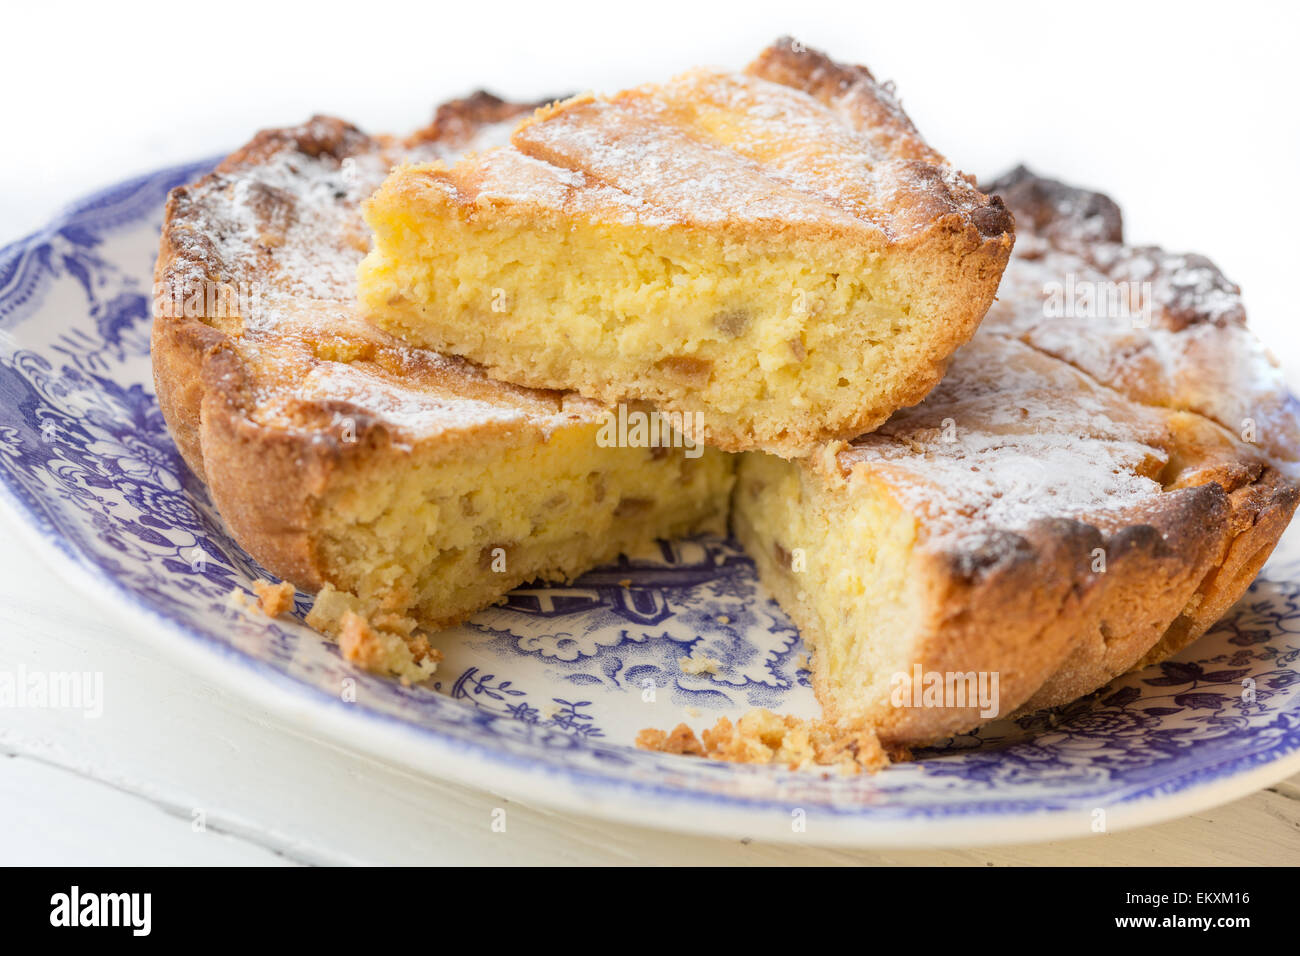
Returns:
point(843, 558)
point(450, 533)
point(673, 313)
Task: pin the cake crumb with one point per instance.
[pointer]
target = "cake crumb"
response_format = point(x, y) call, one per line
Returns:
point(360, 643)
point(237, 598)
point(723, 619)
point(700, 664)
point(681, 740)
point(625, 583)
point(802, 663)
point(273, 599)
point(327, 610)
point(408, 657)
point(383, 642)
point(767, 738)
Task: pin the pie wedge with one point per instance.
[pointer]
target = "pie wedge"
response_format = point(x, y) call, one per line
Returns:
point(775, 255)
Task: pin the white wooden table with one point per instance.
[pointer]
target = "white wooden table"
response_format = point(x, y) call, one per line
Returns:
point(173, 751)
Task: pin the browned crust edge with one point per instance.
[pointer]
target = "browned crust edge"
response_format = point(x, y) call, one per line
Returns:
point(865, 103)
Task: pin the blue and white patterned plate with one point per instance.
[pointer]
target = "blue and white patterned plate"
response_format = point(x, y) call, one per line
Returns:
point(540, 698)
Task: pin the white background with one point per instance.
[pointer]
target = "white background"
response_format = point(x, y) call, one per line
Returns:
point(1185, 113)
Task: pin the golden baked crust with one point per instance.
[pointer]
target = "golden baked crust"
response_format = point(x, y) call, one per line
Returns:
point(299, 416)
point(777, 251)
point(1053, 523)
point(920, 189)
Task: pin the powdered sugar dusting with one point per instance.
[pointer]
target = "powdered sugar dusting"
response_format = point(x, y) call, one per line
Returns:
point(711, 149)
point(1184, 346)
point(398, 404)
point(1064, 410)
point(1012, 436)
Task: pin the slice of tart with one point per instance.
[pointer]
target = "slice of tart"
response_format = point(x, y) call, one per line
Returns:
point(775, 254)
point(1069, 503)
point(407, 487)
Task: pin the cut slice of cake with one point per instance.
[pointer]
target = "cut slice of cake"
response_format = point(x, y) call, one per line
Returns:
point(1034, 529)
point(407, 487)
point(775, 254)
